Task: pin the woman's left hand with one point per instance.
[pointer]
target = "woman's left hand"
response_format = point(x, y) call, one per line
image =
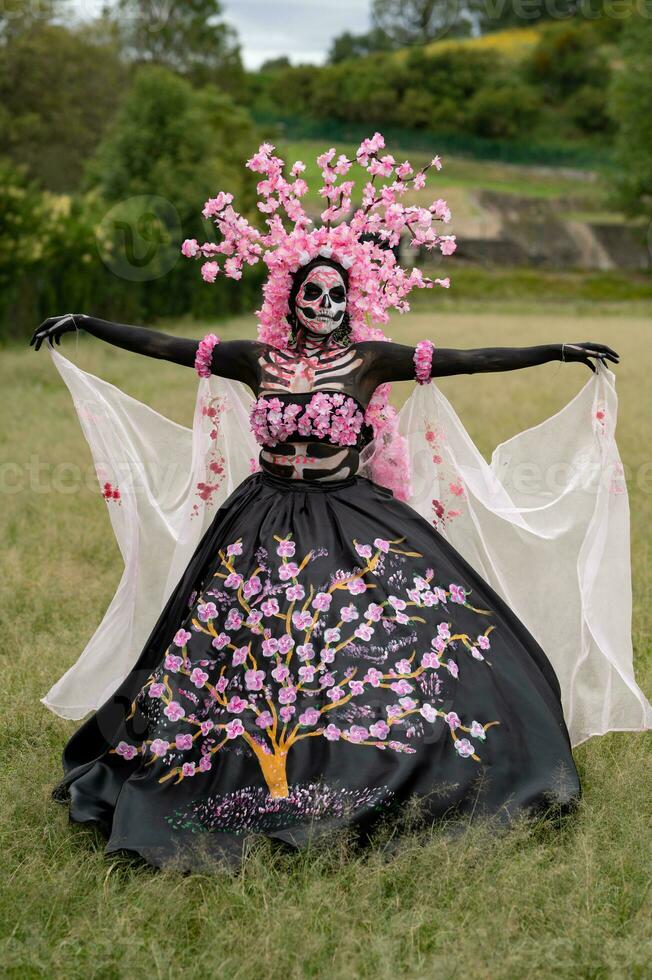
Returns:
point(584, 351)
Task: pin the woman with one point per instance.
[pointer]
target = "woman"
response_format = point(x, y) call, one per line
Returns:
point(326, 654)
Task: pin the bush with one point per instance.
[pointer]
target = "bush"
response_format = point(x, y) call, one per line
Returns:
point(631, 98)
point(503, 113)
point(62, 253)
point(566, 59)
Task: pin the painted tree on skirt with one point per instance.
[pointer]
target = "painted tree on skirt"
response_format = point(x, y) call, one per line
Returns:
point(236, 693)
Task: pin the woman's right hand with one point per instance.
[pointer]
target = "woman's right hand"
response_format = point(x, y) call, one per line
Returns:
point(54, 327)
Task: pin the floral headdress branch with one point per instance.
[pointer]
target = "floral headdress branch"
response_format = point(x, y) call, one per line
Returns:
point(362, 245)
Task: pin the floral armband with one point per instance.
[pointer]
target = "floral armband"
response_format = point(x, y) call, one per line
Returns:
point(423, 361)
point(204, 355)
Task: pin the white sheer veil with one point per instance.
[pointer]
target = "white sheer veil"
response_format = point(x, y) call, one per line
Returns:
point(546, 523)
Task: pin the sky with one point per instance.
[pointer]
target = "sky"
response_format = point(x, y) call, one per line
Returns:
point(301, 29)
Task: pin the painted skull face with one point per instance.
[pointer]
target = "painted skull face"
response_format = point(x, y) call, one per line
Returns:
point(321, 300)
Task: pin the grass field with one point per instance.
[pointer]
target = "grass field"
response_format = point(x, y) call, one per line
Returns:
point(457, 172)
point(547, 900)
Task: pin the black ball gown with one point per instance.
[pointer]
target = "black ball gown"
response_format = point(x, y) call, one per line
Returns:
point(326, 657)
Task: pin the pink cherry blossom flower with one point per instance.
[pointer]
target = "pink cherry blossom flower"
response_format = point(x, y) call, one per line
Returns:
point(234, 549)
point(286, 548)
point(374, 612)
point(286, 712)
point(240, 656)
point(285, 644)
point(236, 705)
point(483, 642)
point(322, 601)
point(207, 611)
point(209, 271)
point(156, 690)
point(332, 733)
point(206, 726)
point(270, 647)
point(380, 729)
point(452, 668)
point(364, 550)
point(265, 719)
point(173, 711)
point(403, 667)
point(254, 679)
point(309, 717)
point(477, 730)
point(382, 545)
point(301, 620)
point(431, 660)
point(220, 641)
point(349, 613)
point(356, 586)
point(287, 695)
point(332, 635)
point(233, 580)
point(401, 687)
point(356, 687)
point(183, 742)
point(126, 751)
point(407, 703)
point(252, 587)
point(327, 656)
point(190, 248)
point(464, 748)
point(198, 677)
point(233, 621)
point(269, 607)
point(295, 593)
point(428, 712)
point(452, 720)
point(373, 677)
point(288, 570)
point(364, 631)
point(234, 728)
point(357, 733)
point(281, 673)
point(173, 663)
point(306, 651)
point(205, 763)
point(159, 746)
point(181, 637)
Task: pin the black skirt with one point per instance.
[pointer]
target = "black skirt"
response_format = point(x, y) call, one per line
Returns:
point(326, 657)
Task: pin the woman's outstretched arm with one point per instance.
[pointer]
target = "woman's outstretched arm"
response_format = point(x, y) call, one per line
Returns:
point(394, 362)
point(236, 359)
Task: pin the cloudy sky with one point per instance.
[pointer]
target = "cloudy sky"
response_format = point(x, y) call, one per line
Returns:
point(301, 29)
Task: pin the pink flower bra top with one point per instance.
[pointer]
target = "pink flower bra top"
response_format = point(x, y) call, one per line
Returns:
point(326, 417)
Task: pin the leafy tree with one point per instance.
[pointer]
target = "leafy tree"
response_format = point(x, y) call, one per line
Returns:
point(566, 59)
point(347, 46)
point(408, 22)
point(503, 112)
point(631, 98)
point(275, 64)
point(17, 17)
point(181, 144)
point(58, 91)
point(190, 38)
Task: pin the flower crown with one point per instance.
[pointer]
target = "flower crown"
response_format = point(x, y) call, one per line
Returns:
point(362, 245)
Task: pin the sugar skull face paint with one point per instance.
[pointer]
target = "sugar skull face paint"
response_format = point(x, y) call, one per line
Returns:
point(321, 301)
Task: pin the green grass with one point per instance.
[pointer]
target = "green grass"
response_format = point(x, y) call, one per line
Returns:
point(458, 172)
point(565, 900)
